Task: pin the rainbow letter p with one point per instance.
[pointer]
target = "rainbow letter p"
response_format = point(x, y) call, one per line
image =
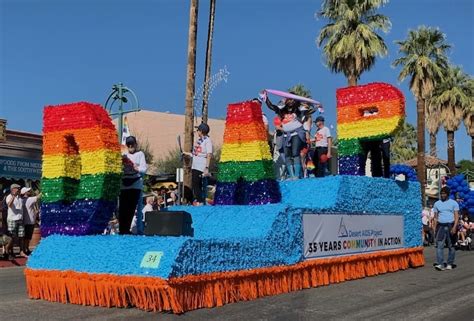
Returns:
point(364, 113)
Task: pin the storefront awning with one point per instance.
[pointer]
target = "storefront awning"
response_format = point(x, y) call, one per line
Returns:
point(20, 168)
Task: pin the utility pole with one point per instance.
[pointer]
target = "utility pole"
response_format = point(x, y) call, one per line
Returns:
point(190, 89)
point(210, 33)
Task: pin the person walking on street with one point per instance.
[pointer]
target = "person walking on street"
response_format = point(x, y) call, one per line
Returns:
point(445, 224)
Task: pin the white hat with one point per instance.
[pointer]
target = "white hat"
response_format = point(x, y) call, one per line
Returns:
point(25, 190)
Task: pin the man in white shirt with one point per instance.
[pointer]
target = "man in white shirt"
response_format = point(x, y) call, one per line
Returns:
point(135, 167)
point(30, 214)
point(15, 216)
point(322, 153)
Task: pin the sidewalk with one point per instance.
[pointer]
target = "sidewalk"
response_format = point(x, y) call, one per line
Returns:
point(18, 261)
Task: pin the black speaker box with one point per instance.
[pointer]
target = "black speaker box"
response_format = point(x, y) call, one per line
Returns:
point(166, 223)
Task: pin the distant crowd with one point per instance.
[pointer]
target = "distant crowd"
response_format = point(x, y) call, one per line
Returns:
point(20, 213)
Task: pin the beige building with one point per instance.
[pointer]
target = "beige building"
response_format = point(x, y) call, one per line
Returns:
point(162, 128)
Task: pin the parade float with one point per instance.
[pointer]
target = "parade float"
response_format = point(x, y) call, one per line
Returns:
point(262, 237)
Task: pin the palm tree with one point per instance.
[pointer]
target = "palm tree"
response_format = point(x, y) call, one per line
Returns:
point(453, 97)
point(469, 124)
point(433, 122)
point(469, 116)
point(190, 88)
point(423, 58)
point(207, 74)
point(300, 90)
point(403, 147)
point(351, 40)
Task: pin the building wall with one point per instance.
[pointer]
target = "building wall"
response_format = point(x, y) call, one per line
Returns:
point(161, 130)
point(20, 158)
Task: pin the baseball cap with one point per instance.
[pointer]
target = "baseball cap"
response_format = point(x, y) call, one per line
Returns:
point(203, 128)
point(25, 190)
point(319, 118)
point(131, 140)
point(14, 186)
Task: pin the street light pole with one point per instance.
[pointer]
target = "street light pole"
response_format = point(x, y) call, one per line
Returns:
point(118, 93)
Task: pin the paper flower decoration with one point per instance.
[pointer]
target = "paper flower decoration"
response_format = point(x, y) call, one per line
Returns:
point(246, 167)
point(82, 169)
point(368, 112)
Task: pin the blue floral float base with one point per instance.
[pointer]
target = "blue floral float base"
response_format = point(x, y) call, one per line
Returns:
point(228, 239)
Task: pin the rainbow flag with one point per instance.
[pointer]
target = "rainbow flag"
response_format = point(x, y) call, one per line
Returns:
point(82, 168)
point(125, 131)
point(246, 175)
point(368, 112)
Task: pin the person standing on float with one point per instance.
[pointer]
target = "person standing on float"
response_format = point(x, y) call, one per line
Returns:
point(294, 135)
point(202, 154)
point(322, 152)
point(135, 167)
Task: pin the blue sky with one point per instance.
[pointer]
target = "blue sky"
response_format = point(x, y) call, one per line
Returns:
point(54, 52)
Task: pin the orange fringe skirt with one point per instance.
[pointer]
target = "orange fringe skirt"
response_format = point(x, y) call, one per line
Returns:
point(214, 289)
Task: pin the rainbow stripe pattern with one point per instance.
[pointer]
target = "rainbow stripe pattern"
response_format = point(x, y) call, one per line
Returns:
point(368, 112)
point(82, 168)
point(246, 174)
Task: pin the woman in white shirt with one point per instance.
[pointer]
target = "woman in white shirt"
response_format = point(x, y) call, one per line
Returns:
point(134, 167)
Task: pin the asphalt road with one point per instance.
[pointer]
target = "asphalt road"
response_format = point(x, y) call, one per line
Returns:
point(413, 294)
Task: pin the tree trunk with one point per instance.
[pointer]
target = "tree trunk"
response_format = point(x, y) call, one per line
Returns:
point(421, 169)
point(472, 148)
point(352, 81)
point(433, 145)
point(451, 157)
point(190, 88)
point(210, 33)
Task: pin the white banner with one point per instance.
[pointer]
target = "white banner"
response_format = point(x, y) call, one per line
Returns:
point(340, 234)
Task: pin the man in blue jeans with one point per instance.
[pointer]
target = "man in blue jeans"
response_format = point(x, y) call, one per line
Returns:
point(445, 224)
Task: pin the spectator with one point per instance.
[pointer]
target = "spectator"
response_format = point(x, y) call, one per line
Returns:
point(4, 209)
point(15, 217)
point(112, 228)
point(426, 231)
point(464, 228)
point(7, 243)
point(171, 195)
point(30, 215)
point(322, 152)
point(162, 198)
point(132, 183)
point(201, 155)
point(446, 224)
point(149, 207)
